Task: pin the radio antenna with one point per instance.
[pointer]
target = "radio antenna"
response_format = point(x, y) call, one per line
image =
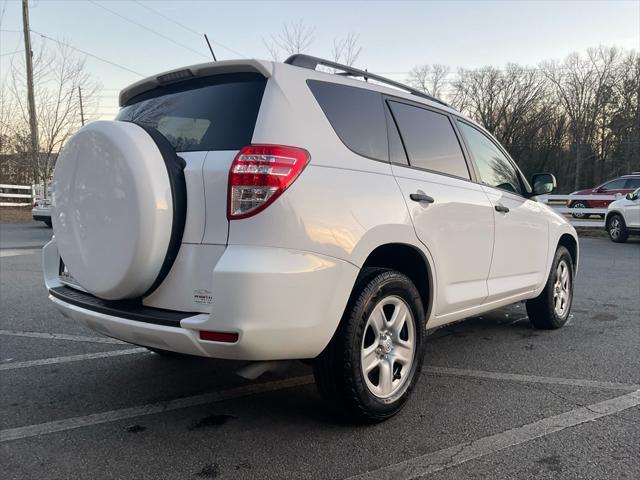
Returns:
point(210, 49)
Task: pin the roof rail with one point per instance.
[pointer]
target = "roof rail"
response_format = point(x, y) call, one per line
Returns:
point(310, 62)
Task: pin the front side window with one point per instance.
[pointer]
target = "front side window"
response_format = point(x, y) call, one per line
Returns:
point(356, 115)
point(429, 139)
point(632, 183)
point(494, 168)
point(613, 185)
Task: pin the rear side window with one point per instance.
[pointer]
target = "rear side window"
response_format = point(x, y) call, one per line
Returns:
point(429, 139)
point(356, 115)
point(213, 113)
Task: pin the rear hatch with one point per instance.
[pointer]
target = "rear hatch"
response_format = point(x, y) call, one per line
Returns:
point(206, 120)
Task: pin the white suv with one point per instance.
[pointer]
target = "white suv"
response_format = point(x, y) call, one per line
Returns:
point(623, 217)
point(268, 211)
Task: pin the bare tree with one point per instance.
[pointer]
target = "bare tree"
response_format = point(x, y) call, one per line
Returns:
point(57, 76)
point(431, 79)
point(294, 37)
point(582, 85)
point(346, 50)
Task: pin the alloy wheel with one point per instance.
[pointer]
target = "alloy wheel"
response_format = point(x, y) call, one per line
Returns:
point(388, 347)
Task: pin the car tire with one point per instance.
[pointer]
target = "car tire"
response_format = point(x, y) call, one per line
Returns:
point(579, 204)
point(550, 309)
point(617, 228)
point(47, 223)
point(383, 330)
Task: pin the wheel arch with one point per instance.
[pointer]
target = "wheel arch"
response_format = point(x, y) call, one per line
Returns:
point(610, 214)
point(409, 260)
point(570, 243)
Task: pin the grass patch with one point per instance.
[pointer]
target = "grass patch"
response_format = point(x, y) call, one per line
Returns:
point(598, 232)
point(15, 215)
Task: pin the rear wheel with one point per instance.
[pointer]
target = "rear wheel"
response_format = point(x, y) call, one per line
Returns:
point(374, 359)
point(617, 229)
point(551, 308)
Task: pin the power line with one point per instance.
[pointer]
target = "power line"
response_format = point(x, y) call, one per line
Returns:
point(113, 12)
point(11, 53)
point(189, 29)
point(88, 54)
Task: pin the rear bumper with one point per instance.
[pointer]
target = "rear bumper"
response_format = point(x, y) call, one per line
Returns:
point(283, 304)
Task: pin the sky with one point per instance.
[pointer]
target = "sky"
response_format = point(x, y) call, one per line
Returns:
point(394, 36)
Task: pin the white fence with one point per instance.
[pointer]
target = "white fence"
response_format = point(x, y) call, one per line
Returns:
point(560, 204)
point(17, 195)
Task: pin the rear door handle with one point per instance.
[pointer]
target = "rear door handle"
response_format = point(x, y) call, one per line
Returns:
point(421, 197)
point(501, 208)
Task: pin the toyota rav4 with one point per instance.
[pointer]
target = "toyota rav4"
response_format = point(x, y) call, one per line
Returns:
point(267, 211)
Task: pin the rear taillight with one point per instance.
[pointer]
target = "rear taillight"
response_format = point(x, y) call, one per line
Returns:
point(259, 174)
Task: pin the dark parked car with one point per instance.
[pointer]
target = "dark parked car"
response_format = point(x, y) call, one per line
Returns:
point(621, 185)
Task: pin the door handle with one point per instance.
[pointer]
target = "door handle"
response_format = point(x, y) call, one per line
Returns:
point(421, 197)
point(501, 208)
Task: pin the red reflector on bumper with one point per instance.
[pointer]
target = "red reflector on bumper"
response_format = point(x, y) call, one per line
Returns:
point(225, 337)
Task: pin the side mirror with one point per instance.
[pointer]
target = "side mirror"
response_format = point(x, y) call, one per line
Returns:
point(629, 196)
point(543, 183)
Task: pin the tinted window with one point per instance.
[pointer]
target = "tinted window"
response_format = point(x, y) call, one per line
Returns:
point(429, 140)
point(614, 185)
point(356, 115)
point(396, 150)
point(494, 168)
point(215, 113)
point(632, 183)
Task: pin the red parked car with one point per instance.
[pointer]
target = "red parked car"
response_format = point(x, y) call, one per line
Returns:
point(621, 185)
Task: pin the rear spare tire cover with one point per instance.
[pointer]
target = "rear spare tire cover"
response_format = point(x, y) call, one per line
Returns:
point(113, 209)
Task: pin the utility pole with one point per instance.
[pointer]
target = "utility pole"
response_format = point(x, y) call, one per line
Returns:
point(81, 109)
point(33, 124)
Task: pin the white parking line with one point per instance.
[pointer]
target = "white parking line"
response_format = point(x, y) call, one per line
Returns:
point(450, 457)
point(150, 409)
point(61, 336)
point(14, 252)
point(515, 377)
point(70, 358)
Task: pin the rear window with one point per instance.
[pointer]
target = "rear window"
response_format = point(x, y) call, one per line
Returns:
point(356, 115)
point(213, 113)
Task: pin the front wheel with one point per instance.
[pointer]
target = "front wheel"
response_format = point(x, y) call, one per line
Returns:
point(579, 205)
point(374, 359)
point(617, 229)
point(551, 308)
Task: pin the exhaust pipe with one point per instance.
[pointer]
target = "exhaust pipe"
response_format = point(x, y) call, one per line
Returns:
point(253, 370)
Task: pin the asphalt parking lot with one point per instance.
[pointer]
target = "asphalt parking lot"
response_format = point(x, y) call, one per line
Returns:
point(497, 399)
